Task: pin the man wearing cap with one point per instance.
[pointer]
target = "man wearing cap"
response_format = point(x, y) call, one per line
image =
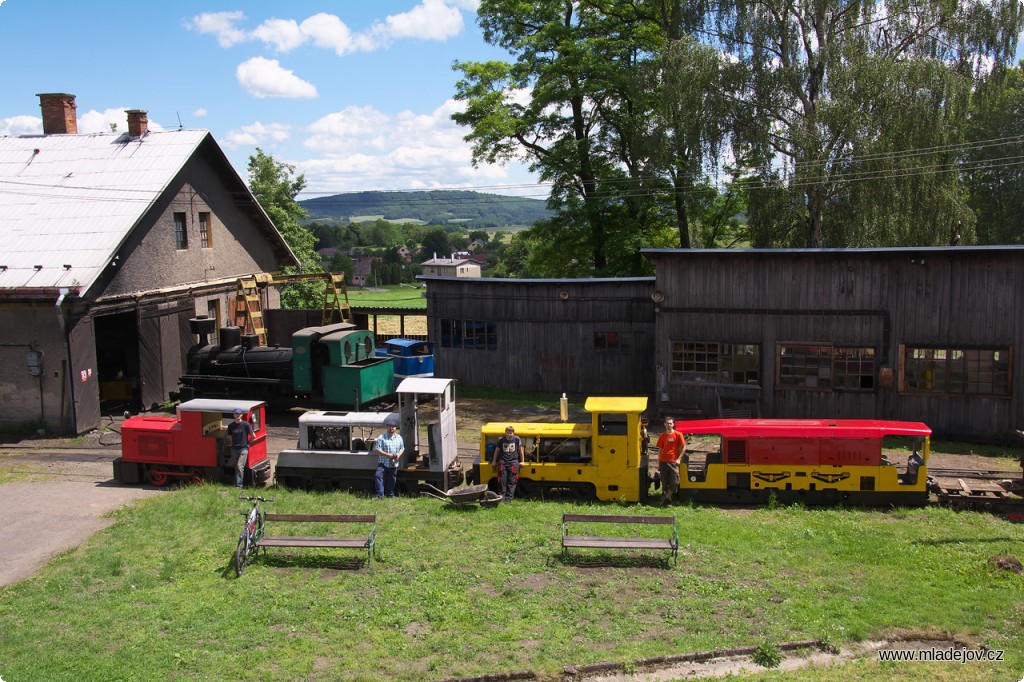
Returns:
point(241, 434)
point(389, 448)
point(508, 457)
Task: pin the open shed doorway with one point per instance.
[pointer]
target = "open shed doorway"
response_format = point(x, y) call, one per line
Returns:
point(117, 359)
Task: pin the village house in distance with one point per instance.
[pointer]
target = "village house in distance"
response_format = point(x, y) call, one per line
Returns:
point(454, 266)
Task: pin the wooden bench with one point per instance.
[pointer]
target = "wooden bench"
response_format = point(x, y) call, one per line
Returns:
point(367, 542)
point(606, 542)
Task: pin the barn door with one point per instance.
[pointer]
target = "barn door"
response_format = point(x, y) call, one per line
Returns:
point(164, 338)
point(151, 373)
point(85, 377)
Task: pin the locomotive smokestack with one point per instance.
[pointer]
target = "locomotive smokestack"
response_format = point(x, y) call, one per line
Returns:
point(202, 326)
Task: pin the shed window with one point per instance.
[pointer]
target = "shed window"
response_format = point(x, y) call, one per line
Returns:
point(469, 334)
point(723, 363)
point(180, 231)
point(824, 366)
point(977, 371)
point(613, 342)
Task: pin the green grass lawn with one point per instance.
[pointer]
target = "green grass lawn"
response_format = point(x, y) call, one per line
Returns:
point(470, 592)
point(393, 295)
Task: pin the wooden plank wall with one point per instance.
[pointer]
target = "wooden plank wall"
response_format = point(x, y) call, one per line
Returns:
point(545, 333)
point(957, 297)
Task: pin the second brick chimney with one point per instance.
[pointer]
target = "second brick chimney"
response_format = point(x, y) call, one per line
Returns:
point(59, 117)
point(138, 123)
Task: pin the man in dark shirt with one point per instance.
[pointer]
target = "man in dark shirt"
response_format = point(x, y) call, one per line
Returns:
point(241, 434)
point(508, 457)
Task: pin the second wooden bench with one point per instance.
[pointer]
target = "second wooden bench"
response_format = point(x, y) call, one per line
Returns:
point(367, 541)
point(619, 542)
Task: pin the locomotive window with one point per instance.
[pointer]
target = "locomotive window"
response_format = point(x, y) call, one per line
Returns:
point(723, 363)
point(329, 438)
point(972, 371)
point(254, 420)
point(611, 424)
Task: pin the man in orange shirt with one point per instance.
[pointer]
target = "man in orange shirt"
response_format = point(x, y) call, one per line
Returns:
point(671, 451)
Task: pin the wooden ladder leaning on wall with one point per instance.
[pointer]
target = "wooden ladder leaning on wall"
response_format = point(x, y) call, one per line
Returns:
point(248, 313)
point(335, 298)
point(249, 309)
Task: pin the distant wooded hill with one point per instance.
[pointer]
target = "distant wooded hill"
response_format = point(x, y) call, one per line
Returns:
point(473, 210)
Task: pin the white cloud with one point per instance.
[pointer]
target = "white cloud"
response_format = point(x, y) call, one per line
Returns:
point(430, 20)
point(93, 121)
point(21, 125)
point(283, 35)
point(258, 134)
point(330, 32)
point(361, 148)
point(347, 130)
point(220, 24)
point(266, 78)
point(200, 112)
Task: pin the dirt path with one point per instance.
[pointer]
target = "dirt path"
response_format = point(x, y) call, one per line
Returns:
point(42, 518)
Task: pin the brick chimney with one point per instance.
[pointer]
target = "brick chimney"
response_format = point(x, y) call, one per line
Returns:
point(59, 117)
point(138, 123)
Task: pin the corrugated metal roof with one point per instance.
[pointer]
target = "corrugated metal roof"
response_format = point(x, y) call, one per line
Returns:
point(68, 201)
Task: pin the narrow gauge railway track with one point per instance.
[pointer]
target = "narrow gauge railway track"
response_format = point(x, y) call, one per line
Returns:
point(996, 474)
point(964, 489)
point(24, 454)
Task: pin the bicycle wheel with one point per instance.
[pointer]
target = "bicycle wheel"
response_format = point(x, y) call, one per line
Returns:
point(258, 535)
point(241, 554)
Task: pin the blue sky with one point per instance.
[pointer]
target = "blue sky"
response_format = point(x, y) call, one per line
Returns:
point(356, 94)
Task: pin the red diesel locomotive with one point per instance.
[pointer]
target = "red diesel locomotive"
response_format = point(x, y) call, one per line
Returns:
point(193, 445)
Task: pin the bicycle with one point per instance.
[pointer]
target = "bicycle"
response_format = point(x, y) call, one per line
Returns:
point(252, 533)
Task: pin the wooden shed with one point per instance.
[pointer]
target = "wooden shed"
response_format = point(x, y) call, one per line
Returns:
point(919, 334)
point(581, 336)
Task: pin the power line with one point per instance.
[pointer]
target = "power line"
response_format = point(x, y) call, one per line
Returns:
point(617, 188)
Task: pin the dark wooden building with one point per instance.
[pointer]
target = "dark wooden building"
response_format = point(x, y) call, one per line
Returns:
point(580, 336)
point(928, 334)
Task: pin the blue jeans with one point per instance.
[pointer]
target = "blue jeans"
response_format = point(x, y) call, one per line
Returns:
point(384, 480)
point(243, 459)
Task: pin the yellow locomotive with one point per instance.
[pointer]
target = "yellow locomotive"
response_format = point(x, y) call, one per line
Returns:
point(819, 461)
point(597, 460)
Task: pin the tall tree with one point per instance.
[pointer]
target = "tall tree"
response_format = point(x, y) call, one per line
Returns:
point(992, 165)
point(543, 106)
point(615, 103)
point(843, 90)
point(275, 188)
